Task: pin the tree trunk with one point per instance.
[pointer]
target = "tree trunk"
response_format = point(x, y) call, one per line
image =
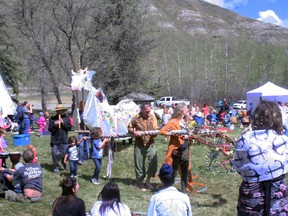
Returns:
point(57, 94)
point(43, 95)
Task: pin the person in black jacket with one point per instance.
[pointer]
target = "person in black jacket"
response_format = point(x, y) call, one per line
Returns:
point(68, 203)
point(59, 125)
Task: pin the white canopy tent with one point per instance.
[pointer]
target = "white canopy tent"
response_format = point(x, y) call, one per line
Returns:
point(6, 104)
point(269, 92)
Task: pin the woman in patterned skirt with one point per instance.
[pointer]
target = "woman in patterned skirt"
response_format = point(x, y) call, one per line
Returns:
point(261, 158)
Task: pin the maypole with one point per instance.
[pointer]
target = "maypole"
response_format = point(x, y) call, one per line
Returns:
point(78, 85)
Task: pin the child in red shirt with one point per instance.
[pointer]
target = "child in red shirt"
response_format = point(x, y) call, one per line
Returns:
point(33, 149)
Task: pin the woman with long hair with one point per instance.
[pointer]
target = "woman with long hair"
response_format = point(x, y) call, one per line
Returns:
point(178, 148)
point(261, 159)
point(110, 202)
point(68, 203)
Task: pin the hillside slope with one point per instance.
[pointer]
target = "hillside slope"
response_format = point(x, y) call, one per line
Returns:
point(199, 18)
point(204, 52)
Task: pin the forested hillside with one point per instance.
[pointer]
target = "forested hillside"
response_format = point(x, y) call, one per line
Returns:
point(207, 52)
point(186, 48)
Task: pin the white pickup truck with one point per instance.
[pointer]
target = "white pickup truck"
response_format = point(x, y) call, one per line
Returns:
point(169, 100)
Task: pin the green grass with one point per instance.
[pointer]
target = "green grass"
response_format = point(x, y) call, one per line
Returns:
point(219, 199)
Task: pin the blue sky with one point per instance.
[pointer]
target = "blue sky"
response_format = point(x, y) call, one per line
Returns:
point(270, 11)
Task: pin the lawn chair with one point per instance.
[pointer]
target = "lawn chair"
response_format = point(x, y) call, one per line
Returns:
point(199, 120)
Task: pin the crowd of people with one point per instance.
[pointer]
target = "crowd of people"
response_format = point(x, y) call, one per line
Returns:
point(27, 187)
point(260, 158)
point(223, 114)
point(24, 121)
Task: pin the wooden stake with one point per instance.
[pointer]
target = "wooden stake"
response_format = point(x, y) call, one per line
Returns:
point(83, 107)
point(59, 118)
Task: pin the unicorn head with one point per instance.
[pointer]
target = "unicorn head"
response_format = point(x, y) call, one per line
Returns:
point(81, 80)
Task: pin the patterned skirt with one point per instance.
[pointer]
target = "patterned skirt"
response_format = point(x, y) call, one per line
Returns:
point(257, 199)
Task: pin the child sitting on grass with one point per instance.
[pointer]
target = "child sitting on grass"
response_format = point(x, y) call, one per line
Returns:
point(33, 149)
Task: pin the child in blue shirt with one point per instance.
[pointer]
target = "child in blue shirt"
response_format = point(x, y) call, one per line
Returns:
point(97, 152)
point(72, 154)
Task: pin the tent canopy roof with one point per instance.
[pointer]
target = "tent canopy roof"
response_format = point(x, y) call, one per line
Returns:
point(268, 89)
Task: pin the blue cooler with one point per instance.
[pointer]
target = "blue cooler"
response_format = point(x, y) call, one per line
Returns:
point(21, 139)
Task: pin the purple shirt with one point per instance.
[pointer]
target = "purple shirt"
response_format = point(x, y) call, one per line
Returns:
point(3, 142)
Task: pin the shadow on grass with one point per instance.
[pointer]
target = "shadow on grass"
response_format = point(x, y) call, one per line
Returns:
point(48, 167)
point(125, 181)
point(217, 198)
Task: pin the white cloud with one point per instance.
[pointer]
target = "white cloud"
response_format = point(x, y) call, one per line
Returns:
point(269, 16)
point(231, 4)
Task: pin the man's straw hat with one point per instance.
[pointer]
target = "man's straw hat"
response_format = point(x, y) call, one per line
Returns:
point(60, 107)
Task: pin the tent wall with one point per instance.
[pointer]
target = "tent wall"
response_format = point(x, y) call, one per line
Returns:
point(255, 100)
point(6, 104)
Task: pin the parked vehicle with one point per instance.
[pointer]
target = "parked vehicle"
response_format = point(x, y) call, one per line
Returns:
point(169, 100)
point(240, 104)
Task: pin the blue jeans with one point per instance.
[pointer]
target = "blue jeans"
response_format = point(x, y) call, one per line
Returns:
point(98, 164)
point(24, 126)
point(73, 167)
point(84, 153)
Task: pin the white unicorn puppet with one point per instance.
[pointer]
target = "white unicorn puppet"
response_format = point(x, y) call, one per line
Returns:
point(82, 79)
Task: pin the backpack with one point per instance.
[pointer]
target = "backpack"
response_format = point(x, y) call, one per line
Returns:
point(20, 114)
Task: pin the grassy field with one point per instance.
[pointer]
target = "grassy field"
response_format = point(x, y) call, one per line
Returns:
point(219, 199)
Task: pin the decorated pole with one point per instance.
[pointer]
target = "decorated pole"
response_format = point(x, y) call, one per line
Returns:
point(83, 106)
point(77, 101)
point(197, 134)
point(171, 133)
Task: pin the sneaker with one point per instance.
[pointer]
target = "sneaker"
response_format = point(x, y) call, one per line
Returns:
point(81, 162)
point(56, 171)
point(95, 181)
point(106, 177)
